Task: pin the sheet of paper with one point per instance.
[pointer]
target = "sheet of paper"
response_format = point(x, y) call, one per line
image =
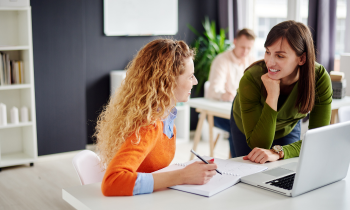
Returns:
point(232, 172)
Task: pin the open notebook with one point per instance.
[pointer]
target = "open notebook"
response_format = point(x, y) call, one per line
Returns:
point(231, 170)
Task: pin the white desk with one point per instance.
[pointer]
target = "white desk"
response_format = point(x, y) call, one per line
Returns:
point(211, 108)
point(336, 104)
point(240, 196)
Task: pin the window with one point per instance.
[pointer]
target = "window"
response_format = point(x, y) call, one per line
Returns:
point(267, 14)
point(304, 11)
point(340, 32)
point(340, 36)
point(340, 27)
point(265, 25)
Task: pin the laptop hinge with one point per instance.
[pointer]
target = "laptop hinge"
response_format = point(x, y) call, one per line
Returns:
point(276, 191)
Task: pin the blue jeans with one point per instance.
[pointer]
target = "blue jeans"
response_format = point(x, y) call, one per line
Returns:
point(241, 147)
point(224, 124)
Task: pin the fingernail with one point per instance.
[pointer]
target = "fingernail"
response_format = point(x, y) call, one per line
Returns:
point(212, 160)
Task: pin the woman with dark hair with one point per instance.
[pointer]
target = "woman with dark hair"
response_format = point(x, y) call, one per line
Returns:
point(276, 93)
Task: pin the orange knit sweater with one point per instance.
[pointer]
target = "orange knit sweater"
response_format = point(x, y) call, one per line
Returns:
point(155, 151)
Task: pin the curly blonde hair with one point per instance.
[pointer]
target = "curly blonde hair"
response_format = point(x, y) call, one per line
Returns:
point(143, 97)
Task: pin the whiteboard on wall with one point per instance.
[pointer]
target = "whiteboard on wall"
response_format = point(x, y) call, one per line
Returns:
point(140, 17)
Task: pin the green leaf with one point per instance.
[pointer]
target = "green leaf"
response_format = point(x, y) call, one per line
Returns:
point(222, 39)
point(208, 45)
point(193, 30)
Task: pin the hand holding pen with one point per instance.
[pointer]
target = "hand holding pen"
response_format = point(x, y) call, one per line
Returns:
point(203, 160)
point(198, 173)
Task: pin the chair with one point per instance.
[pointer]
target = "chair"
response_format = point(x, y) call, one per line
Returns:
point(206, 87)
point(344, 113)
point(87, 165)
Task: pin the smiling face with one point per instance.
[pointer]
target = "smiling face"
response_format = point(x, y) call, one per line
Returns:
point(185, 81)
point(282, 62)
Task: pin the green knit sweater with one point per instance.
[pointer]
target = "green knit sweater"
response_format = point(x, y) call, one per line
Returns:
point(262, 125)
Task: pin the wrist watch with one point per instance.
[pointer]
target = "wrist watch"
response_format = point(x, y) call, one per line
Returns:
point(279, 150)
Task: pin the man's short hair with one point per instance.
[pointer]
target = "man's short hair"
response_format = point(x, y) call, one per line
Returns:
point(246, 32)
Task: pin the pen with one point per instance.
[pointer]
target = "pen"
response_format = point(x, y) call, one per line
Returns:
point(203, 160)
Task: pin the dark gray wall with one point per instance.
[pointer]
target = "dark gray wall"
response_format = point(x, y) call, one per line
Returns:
point(59, 72)
point(72, 61)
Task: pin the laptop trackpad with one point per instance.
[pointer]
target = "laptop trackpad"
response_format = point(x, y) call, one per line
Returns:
point(278, 172)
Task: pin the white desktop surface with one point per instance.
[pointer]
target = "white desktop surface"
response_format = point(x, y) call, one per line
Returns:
point(225, 107)
point(210, 105)
point(240, 196)
point(337, 103)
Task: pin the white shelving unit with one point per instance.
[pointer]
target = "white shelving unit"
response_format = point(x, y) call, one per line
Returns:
point(18, 142)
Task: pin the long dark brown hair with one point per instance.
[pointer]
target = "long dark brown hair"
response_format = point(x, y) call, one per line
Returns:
point(300, 40)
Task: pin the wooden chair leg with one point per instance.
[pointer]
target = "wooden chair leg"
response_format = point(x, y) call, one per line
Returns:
point(334, 116)
point(216, 140)
point(197, 135)
point(211, 140)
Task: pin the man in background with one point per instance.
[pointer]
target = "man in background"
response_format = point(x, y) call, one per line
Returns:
point(225, 73)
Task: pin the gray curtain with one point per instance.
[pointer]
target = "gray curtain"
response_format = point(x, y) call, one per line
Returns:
point(223, 15)
point(235, 18)
point(322, 23)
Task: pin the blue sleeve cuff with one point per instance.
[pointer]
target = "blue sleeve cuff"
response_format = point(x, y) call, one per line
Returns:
point(144, 184)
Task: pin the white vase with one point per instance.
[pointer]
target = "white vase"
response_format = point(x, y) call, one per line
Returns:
point(14, 115)
point(3, 115)
point(24, 114)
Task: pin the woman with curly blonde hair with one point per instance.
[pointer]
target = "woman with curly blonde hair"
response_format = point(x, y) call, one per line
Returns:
point(135, 132)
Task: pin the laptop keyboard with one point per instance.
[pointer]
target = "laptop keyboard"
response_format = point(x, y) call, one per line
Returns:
point(284, 182)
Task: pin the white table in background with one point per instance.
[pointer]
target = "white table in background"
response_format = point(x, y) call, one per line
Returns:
point(239, 197)
point(211, 108)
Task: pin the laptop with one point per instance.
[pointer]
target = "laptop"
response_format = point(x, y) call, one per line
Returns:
point(323, 160)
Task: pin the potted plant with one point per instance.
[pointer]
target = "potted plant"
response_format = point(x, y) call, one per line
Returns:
point(208, 46)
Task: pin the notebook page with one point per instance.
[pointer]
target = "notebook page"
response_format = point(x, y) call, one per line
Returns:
point(238, 168)
point(174, 167)
point(217, 184)
point(232, 172)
